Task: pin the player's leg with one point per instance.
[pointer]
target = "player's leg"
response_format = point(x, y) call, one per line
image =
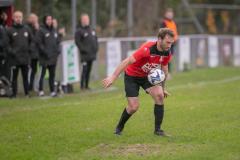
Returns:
point(158, 96)
point(13, 78)
point(32, 73)
point(52, 70)
point(133, 105)
point(41, 80)
point(132, 91)
point(89, 68)
point(83, 76)
point(24, 70)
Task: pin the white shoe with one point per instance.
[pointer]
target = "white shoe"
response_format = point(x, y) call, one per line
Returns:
point(53, 94)
point(40, 93)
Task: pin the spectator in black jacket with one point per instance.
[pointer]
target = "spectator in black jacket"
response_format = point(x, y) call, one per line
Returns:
point(61, 31)
point(19, 51)
point(86, 41)
point(49, 45)
point(34, 27)
point(3, 45)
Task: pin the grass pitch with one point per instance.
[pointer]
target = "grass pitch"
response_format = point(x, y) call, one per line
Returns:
point(202, 115)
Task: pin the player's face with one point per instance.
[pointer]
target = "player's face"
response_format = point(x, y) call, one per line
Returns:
point(166, 43)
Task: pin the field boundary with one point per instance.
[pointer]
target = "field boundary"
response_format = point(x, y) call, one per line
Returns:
point(4, 111)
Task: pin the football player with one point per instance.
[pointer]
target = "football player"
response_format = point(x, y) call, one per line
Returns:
point(136, 67)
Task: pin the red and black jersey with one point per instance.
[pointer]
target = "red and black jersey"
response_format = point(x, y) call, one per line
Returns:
point(147, 57)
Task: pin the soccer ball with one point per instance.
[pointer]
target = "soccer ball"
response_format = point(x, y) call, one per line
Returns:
point(156, 76)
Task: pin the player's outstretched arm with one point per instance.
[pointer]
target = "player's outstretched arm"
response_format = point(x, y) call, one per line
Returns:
point(107, 82)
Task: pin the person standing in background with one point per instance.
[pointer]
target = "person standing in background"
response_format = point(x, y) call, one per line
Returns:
point(49, 45)
point(33, 25)
point(87, 43)
point(3, 45)
point(19, 51)
point(61, 31)
point(168, 22)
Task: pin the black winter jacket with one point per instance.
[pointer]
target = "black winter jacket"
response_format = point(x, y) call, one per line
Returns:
point(19, 44)
point(34, 50)
point(3, 41)
point(86, 41)
point(49, 45)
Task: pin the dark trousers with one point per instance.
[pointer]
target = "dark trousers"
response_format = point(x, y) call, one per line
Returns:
point(3, 67)
point(52, 70)
point(86, 70)
point(32, 73)
point(14, 78)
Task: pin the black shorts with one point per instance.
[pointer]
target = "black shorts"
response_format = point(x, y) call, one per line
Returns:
point(133, 84)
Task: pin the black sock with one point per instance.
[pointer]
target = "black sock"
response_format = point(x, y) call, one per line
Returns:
point(159, 113)
point(125, 116)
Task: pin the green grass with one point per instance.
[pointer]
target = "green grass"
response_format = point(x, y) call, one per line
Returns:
point(202, 115)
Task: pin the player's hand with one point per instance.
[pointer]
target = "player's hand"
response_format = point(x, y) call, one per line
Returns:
point(107, 82)
point(166, 93)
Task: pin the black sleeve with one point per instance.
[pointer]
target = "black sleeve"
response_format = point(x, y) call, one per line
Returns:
point(34, 42)
point(10, 49)
point(59, 39)
point(30, 40)
point(6, 41)
point(78, 40)
point(40, 42)
point(97, 44)
point(77, 37)
point(3, 41)
point(2, 37)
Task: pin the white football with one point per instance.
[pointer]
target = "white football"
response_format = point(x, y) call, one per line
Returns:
point(156, 76)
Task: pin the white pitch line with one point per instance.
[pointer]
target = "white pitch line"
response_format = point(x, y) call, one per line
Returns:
point(202, 83)
point(189, 85)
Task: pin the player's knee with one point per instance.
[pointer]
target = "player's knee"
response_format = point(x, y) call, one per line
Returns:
point(159, 97)
point(133, 106)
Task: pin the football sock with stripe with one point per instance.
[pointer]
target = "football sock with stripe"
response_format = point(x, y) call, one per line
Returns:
point(159, 113)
